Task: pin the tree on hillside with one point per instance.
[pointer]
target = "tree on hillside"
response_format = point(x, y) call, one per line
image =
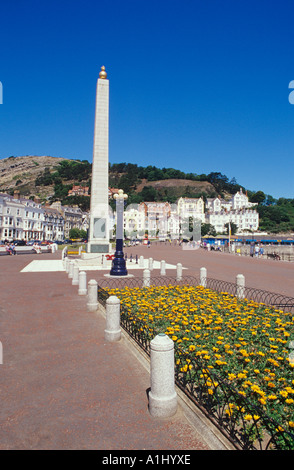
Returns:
point(258, 197)
point(149, 194)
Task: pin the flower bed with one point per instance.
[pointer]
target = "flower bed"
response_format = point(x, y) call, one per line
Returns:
point(239, 341)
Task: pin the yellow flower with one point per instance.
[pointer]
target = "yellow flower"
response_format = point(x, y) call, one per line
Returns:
point(248, 417)
point(232, 376)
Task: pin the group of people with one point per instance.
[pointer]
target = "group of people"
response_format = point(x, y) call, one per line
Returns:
point(256, 250)
point(37, 248)
point(10, 249)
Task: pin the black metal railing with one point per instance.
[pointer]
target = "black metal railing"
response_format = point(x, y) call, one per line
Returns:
point(279, 301)
point(242, 422)
point(215, 396)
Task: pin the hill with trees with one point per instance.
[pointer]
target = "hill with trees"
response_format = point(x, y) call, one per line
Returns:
point(51, 178)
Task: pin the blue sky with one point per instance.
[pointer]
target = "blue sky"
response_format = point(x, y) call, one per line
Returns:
point(195, 85)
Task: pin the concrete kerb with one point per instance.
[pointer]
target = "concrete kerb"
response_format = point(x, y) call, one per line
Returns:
point(202, 425)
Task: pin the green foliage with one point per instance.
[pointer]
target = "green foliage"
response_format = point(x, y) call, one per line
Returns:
point(46, 179)
point(278, 217)
point(82, 201)
point(74, 170)
point(77, 233)
point(258, 197)
point(66, 170)
point(208, 229)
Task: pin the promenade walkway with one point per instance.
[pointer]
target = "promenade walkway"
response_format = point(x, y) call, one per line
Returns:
point(62, 385)
point(262, 273)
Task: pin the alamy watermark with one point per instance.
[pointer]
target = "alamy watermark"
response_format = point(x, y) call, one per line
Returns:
point(291, 95)
point(163, 224)
point(1, 93)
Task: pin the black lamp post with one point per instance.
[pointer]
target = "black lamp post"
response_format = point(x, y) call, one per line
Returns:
point(118, 267)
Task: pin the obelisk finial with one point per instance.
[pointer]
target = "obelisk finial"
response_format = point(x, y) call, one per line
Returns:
point(103, 74)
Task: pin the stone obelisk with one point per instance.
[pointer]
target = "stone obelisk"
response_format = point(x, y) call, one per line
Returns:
point(98, 235)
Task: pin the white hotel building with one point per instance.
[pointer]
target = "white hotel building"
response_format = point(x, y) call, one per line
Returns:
point(20, 219)
point(25, 219)
point(164, 219)
point(237, 210)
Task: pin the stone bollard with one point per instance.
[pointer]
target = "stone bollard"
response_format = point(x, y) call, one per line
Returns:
point(141, 262)
point(112, 331)
point(67, 264)
point(104, 262)
point(179, 271)
point(240, 286)
point(146, 278)
point(75, 275)
point(162, 268)
point(82, 283)
point(150, 264)
point(92, 304)
point(70, 269)
point(162, 396)
point(203, 276)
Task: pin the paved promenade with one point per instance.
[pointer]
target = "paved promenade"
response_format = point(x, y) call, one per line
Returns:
point(262, 273)
point(64, 387)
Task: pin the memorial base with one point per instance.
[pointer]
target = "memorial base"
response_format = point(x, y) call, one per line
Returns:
point(93, 247)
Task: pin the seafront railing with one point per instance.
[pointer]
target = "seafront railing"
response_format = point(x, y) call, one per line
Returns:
point(279, 301)
point(214, 395)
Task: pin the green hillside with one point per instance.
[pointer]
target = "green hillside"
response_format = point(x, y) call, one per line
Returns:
point(140, 183)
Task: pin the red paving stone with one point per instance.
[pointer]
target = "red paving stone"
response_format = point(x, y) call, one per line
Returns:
point(64, 387)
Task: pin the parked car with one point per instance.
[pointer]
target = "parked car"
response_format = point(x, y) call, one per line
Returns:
point(31, 242)
point(19, 242)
